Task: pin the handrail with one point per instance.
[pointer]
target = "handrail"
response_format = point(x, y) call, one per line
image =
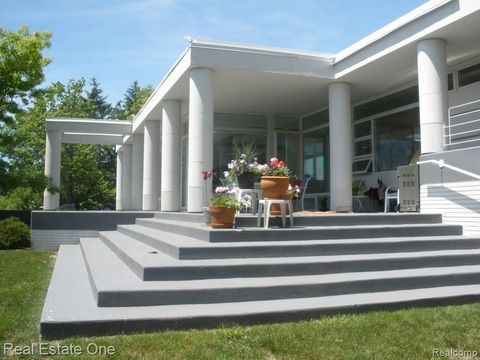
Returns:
point(441, 164)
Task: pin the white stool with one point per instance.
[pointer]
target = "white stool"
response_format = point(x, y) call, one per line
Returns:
point(254, 193)
point(264, 206)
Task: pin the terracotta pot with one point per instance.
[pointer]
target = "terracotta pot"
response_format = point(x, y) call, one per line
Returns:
point(246, 180)
point(275, 208)
point(274, 187)
point(221, 217)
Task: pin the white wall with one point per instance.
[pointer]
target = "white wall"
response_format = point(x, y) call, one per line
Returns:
point(458, 201)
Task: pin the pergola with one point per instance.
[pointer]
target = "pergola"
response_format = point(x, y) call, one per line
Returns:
point(78, 131)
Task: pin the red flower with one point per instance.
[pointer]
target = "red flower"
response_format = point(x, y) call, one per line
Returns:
point(281, 163)
point(206, 174)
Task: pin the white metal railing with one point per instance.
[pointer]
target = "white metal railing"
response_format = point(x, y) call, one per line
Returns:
point(442, 164)
point(453, 135)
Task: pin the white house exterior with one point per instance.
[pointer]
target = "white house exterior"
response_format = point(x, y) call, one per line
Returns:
point(359, 114)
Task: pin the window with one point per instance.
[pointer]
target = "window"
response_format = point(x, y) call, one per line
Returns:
point(317, 119)
point(469, 75)
point(397, 139)
point(316, 161)
point(223, 120)
point(362, 147)
point(286, 123)
point(389, 102)
point(450, 81)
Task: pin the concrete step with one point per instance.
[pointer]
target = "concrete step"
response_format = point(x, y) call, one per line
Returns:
point(115, 285)
point(202, 232)
point(149, 264)
point(247, 220)
point(184, 247)
point(181, 216)
point(70, 308)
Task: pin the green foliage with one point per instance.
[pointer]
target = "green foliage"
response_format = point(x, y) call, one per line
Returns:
point(21, 68)
point(14, 234)
point(21, 198)
point(132, 101)
point(88, 171)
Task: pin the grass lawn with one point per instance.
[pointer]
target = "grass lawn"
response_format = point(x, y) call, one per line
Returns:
point(406, 334)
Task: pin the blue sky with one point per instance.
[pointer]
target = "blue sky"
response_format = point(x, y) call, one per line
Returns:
point(119, 41)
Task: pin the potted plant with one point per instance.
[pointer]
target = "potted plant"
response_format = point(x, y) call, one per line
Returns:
point(244, 168)
point(275, 179)
point(222, 208)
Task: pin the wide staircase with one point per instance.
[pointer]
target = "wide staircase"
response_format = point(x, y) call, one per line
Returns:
point(173, 272)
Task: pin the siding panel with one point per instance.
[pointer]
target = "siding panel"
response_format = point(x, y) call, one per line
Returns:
point(458, 201)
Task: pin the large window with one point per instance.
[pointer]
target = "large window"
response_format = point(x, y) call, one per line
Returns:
point(397, 138)
point(288, 151)
point(392, 101)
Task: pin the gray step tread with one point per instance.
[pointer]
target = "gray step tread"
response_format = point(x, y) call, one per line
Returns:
point(182, 241)
point(111, 274)
point(207, 228)
point(70, 307)
point(148, 256)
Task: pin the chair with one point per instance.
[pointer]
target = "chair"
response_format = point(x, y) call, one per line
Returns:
point(264, 209)
point(303, 190)
point(391, 194)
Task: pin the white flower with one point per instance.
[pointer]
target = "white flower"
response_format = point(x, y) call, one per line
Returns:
point(226, 174)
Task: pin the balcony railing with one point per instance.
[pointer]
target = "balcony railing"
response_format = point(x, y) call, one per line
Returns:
point(463, 125)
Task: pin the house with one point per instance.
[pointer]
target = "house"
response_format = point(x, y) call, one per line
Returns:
point(412, 86)
point(408, 93)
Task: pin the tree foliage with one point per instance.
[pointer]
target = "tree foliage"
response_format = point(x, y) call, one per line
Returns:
point(21, 68)
point(88, 171)
point(132, 101)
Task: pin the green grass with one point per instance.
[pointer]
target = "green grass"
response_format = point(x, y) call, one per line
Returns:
point(405, 334)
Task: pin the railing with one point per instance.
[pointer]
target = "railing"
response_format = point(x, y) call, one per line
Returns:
point(463, 124)
point(442, 164)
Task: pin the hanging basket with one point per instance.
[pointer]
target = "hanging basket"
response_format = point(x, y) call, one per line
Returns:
point(274, 187)
point(221, 217)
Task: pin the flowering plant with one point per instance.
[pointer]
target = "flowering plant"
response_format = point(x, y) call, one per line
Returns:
point(294, 190)
point(276, 168)
point(223, 196)
point(244, 162)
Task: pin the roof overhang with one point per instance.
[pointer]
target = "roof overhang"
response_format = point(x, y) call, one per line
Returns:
point(260, 79)
point(90, 126)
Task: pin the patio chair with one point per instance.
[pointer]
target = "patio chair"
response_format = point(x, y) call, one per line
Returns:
point(303, 190)
point(391, 195)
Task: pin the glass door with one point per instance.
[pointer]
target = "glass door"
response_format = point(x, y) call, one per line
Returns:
point(288, 150)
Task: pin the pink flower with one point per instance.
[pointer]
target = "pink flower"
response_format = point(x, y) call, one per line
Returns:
point(206, 174)
point(273, 161)
point(281, 163)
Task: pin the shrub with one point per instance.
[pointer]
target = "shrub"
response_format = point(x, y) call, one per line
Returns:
point(14, 234)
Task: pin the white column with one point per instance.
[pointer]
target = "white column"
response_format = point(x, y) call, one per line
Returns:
point(137, 172)
point(170, 175)
point(118, 195)
point(126, 177)
point(433, 93)
point(340, 113)
point(150, 165)
point(200, 137)
point(53, 150)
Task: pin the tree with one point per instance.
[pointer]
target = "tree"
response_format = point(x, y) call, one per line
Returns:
point(21, 68)
point(85, 180)
point(132, 101)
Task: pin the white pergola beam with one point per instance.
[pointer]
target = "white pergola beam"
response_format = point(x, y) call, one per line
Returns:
point(95, 139)
point(90, 126)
